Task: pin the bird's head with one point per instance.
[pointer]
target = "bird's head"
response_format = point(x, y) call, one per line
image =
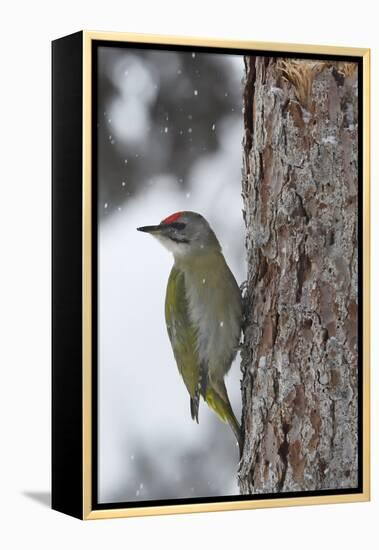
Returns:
point(184, 234)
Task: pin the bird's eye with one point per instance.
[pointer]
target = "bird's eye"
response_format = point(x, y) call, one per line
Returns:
point(178, 225)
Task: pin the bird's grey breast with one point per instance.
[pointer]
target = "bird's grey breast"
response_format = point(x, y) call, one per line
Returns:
point(214, 305)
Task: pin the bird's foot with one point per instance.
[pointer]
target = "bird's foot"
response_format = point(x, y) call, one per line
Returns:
point(243, 288)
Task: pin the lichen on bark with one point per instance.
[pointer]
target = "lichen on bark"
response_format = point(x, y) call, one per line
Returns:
point(299, 358)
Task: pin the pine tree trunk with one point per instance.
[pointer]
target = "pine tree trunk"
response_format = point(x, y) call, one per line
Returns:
point(299, 359)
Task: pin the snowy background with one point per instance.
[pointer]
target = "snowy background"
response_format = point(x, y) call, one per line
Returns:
point(169, 138)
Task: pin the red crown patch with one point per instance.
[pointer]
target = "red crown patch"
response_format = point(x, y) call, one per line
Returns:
point(171, 218)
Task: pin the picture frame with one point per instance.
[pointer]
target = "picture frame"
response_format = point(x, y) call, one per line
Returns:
point(77, 381)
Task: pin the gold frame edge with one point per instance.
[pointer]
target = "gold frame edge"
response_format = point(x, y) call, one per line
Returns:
point(196, 41)
point(366, 223)
point(364, 496)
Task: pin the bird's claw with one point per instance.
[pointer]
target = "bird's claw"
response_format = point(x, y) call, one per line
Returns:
point(243, 288)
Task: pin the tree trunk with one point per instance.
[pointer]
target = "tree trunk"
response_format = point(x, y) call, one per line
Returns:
point(299, 359)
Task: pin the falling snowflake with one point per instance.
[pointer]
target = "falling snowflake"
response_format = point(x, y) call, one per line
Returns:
point(105, 205)
point(166, 130)
point(195, 92)
point(213, 127)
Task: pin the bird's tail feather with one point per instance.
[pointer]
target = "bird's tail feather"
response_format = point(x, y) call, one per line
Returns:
point(194, 406)
point(219, 402)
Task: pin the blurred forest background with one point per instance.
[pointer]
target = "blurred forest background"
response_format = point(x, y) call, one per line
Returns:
point(169, 138)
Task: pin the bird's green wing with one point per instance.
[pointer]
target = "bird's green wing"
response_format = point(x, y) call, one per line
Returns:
point(182, 336)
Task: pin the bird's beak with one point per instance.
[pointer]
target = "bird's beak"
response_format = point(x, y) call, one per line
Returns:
point(150, 228)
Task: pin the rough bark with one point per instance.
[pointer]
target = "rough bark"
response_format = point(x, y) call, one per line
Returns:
point(299, 358)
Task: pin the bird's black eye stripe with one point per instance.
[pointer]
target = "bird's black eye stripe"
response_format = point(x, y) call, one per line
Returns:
point(177, 225)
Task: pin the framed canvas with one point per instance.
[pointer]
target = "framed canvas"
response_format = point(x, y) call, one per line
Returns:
point(218, 357)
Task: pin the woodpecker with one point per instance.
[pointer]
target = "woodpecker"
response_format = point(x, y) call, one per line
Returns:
point(203, 311)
